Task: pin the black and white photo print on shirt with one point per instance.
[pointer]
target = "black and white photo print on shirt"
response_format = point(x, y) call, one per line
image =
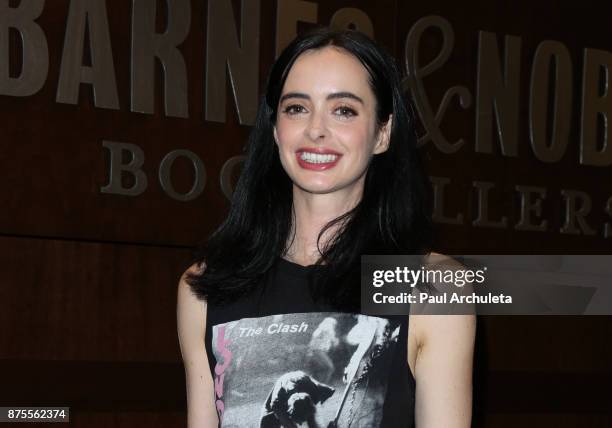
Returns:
point(321, 369)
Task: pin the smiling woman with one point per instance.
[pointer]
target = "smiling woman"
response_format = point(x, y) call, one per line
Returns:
point(327, 122)
point(331, 172)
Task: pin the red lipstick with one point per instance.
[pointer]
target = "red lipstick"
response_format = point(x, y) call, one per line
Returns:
point(321, 166)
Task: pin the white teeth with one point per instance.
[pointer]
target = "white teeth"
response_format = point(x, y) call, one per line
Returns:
point(317, 158)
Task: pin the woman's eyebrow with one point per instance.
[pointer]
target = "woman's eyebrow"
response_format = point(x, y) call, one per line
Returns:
point(332, 96)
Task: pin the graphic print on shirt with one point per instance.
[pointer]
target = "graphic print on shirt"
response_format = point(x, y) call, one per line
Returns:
point(315, 370)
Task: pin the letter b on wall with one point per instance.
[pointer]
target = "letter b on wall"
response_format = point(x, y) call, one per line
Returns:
point(35, 51)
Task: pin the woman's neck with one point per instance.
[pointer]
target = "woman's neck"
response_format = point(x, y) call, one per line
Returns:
point(312, 212)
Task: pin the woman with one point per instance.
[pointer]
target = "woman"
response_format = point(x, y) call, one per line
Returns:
point(331, 172)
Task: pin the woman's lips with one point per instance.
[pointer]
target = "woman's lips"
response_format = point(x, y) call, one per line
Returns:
point(319, 166)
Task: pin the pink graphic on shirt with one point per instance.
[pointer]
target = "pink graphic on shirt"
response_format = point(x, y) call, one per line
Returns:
point(226, 355)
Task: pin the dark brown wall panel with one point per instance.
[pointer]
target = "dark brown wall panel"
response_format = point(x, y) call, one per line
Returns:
point(67, 300)
point(548, 343)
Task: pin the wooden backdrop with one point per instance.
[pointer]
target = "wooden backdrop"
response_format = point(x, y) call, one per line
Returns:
point(88, 278)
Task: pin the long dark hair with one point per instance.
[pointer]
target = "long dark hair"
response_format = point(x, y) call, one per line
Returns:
point(393, 216)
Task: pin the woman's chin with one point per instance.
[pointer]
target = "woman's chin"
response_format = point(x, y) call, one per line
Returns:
point(318, 188)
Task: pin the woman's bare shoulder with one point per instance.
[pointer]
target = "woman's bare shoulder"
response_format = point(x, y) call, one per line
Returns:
point(196, 268)
point(434, 259)
point(441, 327)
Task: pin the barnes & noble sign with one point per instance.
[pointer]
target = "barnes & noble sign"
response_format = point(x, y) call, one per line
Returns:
point(562, 85)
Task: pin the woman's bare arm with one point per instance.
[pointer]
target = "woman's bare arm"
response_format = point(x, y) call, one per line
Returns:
point(444, 363)
point(443, 370)
point(191, 322)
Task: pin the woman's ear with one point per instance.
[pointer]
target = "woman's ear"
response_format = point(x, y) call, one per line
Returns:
point(275, 134)
point(384, 136)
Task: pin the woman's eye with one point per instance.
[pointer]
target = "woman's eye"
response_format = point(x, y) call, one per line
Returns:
point(294, 109)
point(346, 111)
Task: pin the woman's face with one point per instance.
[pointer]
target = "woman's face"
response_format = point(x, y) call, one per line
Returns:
point(326, 128)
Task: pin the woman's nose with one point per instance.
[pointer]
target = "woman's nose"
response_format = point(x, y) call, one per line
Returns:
point(317, 128)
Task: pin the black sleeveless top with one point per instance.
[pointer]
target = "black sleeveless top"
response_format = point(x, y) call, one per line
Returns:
point(278, 359)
